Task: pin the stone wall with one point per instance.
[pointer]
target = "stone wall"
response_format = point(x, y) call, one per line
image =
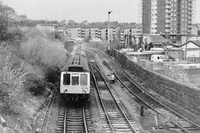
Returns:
point(185, 96)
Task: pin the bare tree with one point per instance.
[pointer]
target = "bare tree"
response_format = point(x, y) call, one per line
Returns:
point(6, 14)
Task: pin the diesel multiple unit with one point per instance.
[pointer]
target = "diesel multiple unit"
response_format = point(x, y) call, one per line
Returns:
point(75, 77)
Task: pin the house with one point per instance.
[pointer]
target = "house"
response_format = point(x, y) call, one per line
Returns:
point(156, 40)
point(191, 50)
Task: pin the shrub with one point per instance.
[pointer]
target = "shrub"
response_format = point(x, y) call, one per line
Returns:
point(46, 54)
point(12, 77)
point(42, 52)
point(39, 63)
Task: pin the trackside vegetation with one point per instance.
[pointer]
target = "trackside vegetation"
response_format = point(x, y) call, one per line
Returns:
point(30, 63)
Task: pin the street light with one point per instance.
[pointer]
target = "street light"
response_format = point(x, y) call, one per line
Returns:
point(109, 12)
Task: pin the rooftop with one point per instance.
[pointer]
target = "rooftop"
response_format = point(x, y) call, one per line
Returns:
point(195, 42)
point(157, 39)
point(128, 26)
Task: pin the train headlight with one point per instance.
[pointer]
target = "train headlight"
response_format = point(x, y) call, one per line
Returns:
point(65, 91)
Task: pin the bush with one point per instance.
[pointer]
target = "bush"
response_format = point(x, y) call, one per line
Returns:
point(12, 77)
point(39, 63)
point(43, 52)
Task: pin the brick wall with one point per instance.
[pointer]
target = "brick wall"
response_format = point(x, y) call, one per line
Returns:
point(185, 96)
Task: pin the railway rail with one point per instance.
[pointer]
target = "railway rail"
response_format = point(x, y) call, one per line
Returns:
point(117, 118)
point(45, 118)
point(74, 118)
point(148, 100)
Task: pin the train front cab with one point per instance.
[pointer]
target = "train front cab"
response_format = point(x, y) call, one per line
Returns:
point(75, 84)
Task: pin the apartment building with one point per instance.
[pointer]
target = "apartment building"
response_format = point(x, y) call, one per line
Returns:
point(112, 31)
point(130, 31)
point(47, 27)
point(74, 31)
point(171, 18)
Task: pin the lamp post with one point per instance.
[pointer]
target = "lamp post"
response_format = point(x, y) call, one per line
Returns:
point(109, 12)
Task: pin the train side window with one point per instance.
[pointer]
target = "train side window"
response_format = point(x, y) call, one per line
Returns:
point(83, 79)
point(66, 79)
point(75, 80)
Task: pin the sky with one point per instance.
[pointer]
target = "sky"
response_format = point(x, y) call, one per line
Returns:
point(80, 10)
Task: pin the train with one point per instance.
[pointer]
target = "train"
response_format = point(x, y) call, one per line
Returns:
point(75, 76)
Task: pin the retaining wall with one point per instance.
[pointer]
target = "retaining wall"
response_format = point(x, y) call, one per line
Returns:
point(185, 96)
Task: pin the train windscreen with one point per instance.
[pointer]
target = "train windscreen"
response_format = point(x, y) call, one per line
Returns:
point(66, 79)
point(75, 80)
point(75, 69)
point(83, 79)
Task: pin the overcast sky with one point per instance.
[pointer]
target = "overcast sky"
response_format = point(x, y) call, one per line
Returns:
point(79, 10)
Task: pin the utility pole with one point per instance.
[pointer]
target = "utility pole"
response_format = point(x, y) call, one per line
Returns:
point(186, 45)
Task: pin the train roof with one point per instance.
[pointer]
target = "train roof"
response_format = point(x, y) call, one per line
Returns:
point(77, 61)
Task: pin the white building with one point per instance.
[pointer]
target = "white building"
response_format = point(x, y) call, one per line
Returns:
point(191, 49)
point(47, 27)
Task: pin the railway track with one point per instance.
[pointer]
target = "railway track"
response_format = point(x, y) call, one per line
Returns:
point(74, 118)
point(151, 102)
point(115, 117)
point(45, 119)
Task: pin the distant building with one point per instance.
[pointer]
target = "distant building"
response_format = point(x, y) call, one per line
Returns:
point(171, 18)
point(91, 31)
point(196, 31)
point(129, 32)
point(62, 30)
point(112, 31)
point(133, 29)
point(47, 27)
point(191, 49)
point(74, 31)
point(157, 41)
